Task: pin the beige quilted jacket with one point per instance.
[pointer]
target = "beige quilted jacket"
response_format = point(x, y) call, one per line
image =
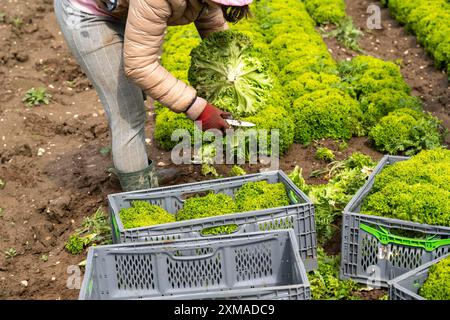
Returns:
point(145, 29)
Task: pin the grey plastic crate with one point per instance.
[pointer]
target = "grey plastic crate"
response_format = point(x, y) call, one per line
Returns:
point(407, 286)
point(264, 265)
point(371, 256)
point(298, 216)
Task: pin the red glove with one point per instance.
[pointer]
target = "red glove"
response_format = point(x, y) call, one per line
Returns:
point(213, 118)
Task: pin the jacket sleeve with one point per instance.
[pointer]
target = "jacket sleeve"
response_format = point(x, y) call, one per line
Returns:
point(211, 22)
point(144, 36)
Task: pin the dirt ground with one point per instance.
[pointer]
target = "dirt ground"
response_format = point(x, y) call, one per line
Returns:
point(47, 196)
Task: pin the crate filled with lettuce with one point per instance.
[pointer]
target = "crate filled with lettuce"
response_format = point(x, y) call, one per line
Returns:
point(243, 204)
point(399, 220)
point(430, 281)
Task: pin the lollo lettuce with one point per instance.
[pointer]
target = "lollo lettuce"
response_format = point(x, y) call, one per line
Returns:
point(436, 287)
point(229, 73)
point(143, 214)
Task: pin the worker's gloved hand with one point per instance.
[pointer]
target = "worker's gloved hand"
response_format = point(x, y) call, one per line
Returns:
point(213, 118)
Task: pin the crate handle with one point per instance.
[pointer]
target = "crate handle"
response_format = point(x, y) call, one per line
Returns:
point(115, 227)
point(147, 197)
point(385, 238)
point(238, 229)
point(293, 197)
point(196, 257)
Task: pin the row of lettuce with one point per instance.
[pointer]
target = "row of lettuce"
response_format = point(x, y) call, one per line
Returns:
point(429, 20)
point(313, 96)
point(326, 11)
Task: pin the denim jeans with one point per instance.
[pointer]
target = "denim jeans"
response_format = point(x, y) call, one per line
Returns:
point(96, 42)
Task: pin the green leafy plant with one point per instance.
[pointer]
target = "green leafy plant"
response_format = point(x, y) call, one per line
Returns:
point(343, 145)
point(326, 11)
point(436, 287)
point(329, 113)
point(407, 131)
point(251, 196)
point(423, 203)
point(293, 52)
point(325, 154)
point(261, 195)
point(384, 297)
point(296, 176)
point(208, 206)
point(427, 167)
point(105, 151)
point(344, 179)
point(75, 244)
point(379, 104)
point(71, 83)
point(44, 258)
point(414, 190)
point(394, 118)
point(142, 214)
point(166, 123)
point(17, 22)
point(209, 169)
point(11, 253)
point(366, 75)
point(36, 97)
point(237, 171)
point(179, 42)
point(226, 71)
point(325, 282)
point(275, 118)
point(2, 17)
point(94, 230)
point(346, 33)
point(2, 184)
point(207, 153)
point(299, 84)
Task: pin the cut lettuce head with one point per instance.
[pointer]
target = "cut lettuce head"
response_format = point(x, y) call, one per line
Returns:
point(229, 73)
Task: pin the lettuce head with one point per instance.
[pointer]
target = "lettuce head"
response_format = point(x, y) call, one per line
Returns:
point(228, 72)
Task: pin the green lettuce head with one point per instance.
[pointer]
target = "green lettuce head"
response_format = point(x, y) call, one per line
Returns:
point(229, 73)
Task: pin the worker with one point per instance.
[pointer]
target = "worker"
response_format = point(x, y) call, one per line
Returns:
point(118, 44)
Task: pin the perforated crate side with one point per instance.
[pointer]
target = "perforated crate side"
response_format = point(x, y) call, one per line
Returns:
point(300, 216)
point(248, 266)
point(407, 286)
point(365, 259)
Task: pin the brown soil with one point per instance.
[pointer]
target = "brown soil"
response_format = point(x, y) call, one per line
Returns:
point(371, 294)
point(46, 197)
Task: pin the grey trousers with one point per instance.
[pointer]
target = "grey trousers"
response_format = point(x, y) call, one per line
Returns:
point(96, 42)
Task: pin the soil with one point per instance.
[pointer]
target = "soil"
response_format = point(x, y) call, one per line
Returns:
point(50, 155)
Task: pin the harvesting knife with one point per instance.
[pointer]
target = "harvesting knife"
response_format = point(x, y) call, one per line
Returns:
point(238, 123)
